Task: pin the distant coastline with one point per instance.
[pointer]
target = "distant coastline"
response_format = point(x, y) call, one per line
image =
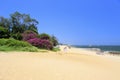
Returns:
point(112, 49)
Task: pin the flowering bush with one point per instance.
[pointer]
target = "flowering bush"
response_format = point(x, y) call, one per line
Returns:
point(27, 35)
point(44, 36)
point(41, 43)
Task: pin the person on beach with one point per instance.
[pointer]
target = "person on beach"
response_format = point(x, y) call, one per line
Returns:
point(65, 49)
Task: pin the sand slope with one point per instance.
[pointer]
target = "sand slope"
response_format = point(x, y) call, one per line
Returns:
point(55, 66)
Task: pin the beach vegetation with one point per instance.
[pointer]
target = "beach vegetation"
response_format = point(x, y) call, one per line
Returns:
point(16, 45)
point(27, 35)
point(41, 43)
point(55, 49)
point(20, 29)
point(4, 33)
point(17, 36)
point(22, 22)
point(54, 40)
point(44, 36)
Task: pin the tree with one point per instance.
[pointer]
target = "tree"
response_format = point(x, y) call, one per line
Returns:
point(54, 40)
point(22, 22)
point(45, 36)
point(4, 22)
point(17, 24)
point(4, 33)
point(17, 36)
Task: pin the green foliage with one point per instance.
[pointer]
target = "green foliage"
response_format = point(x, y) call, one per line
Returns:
point(54, 41)
point(56, 49)
point(22, 22)
point(17, 24)
point(28, 49)
point(33, 28)
point(22, 27)
point(44, 36)
point(4, 22)
point(4, 33)
point(15, 45)
point(17, 36)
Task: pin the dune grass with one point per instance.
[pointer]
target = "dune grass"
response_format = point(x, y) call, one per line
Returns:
point(29, 49)
point(15, 45)
point(56, 49)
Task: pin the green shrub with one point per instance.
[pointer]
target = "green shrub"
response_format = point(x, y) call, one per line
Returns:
point(16, 36)
point(56, 49)
point(4, 33)
point(44, 36)
point(15, 45)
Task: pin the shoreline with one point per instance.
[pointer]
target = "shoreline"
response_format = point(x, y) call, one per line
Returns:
point(89, 51)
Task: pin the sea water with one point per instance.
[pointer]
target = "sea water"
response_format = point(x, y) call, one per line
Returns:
point(102, 48)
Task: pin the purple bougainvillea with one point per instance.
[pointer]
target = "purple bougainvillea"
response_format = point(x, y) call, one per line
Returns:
point(28, 35)
point(41, 43)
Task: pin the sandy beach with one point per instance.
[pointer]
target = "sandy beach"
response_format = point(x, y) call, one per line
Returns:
point(74, 64)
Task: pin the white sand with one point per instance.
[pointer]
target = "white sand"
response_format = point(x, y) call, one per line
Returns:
point(58, 66)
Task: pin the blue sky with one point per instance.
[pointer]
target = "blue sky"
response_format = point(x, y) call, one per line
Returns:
point(82, 22)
